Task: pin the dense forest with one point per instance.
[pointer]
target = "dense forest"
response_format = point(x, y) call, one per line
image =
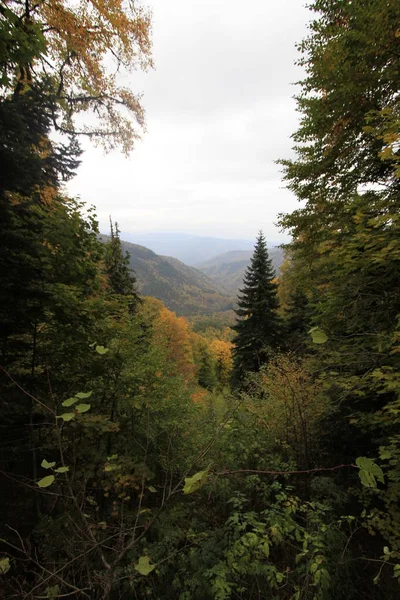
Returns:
point(146, 455)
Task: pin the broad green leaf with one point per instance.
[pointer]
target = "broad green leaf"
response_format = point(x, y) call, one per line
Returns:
point(367, 479)
point(67, 416)
point(101, 350)
point(82, 408)
point(369, 472)
point(47, 465)
point(192, 484)
point(83, 395)
point(318, 335)
point(4, 565)
point(61, 470)
point(143, 566)
point(151, 489)
point(46, 481)
point(69, 402)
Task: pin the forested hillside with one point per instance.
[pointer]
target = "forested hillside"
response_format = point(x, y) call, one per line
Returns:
point(183, 289)
point(228, 269)
point(247, 460)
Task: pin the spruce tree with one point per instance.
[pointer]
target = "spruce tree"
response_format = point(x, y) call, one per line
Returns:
point(258, 327)
point(121, 278)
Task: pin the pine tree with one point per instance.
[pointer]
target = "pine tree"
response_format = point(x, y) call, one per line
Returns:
point(258, 328)
point(121, 278)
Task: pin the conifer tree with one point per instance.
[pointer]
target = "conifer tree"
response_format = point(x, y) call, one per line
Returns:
point(121, 278)
point(258, 327)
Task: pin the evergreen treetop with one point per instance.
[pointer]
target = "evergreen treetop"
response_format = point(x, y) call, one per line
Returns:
point(121, 278)
point(258, 326)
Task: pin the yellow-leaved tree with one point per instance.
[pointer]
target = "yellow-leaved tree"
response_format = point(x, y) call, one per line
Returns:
point(86, 49)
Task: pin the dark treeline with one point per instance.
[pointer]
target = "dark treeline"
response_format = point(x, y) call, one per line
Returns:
point(141, 459)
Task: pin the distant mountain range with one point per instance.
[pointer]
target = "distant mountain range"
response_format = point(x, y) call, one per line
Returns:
point(209, 288)
point(181, 288)
point(190, 249)
point(227, 269)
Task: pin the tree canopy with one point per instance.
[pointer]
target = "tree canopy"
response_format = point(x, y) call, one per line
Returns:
point(83, 48)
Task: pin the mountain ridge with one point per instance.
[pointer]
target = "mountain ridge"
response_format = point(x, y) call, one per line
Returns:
point(182, 288)
point(228, 269)
point(188, 248)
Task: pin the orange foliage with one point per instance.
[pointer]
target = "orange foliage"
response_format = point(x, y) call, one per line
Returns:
point(89, 43)
point(172, 334)
point(222, 352)
point(198, 397)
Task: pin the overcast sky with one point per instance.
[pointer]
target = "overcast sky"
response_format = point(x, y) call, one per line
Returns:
point(219, 113)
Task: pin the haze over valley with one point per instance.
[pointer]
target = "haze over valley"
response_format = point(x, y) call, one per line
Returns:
point(189, 286)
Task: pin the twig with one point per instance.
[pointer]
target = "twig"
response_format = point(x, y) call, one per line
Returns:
point(303, 472)
point(25, 392)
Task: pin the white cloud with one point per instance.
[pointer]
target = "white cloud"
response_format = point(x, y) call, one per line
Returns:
point(219, 113)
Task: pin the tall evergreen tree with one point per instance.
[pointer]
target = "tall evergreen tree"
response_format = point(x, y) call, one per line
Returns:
point(121, 278)
point(258, 327)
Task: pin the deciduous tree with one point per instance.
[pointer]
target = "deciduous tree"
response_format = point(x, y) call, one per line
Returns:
point(83, 47)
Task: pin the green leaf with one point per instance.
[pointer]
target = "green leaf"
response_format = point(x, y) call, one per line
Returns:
point(101, 350)
point(4, 565)
point(367, 479)
point(82, 408)
point(83, 395)
point(385, 454)
point(151, 489)
point(61, 470)
point(192, 484)
point(67, 416)
point(265, 549)
point(318, 335)
point(143, 566)
point(69, 402)
point(369, 472)
point(47, 465)
point(46, 481)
